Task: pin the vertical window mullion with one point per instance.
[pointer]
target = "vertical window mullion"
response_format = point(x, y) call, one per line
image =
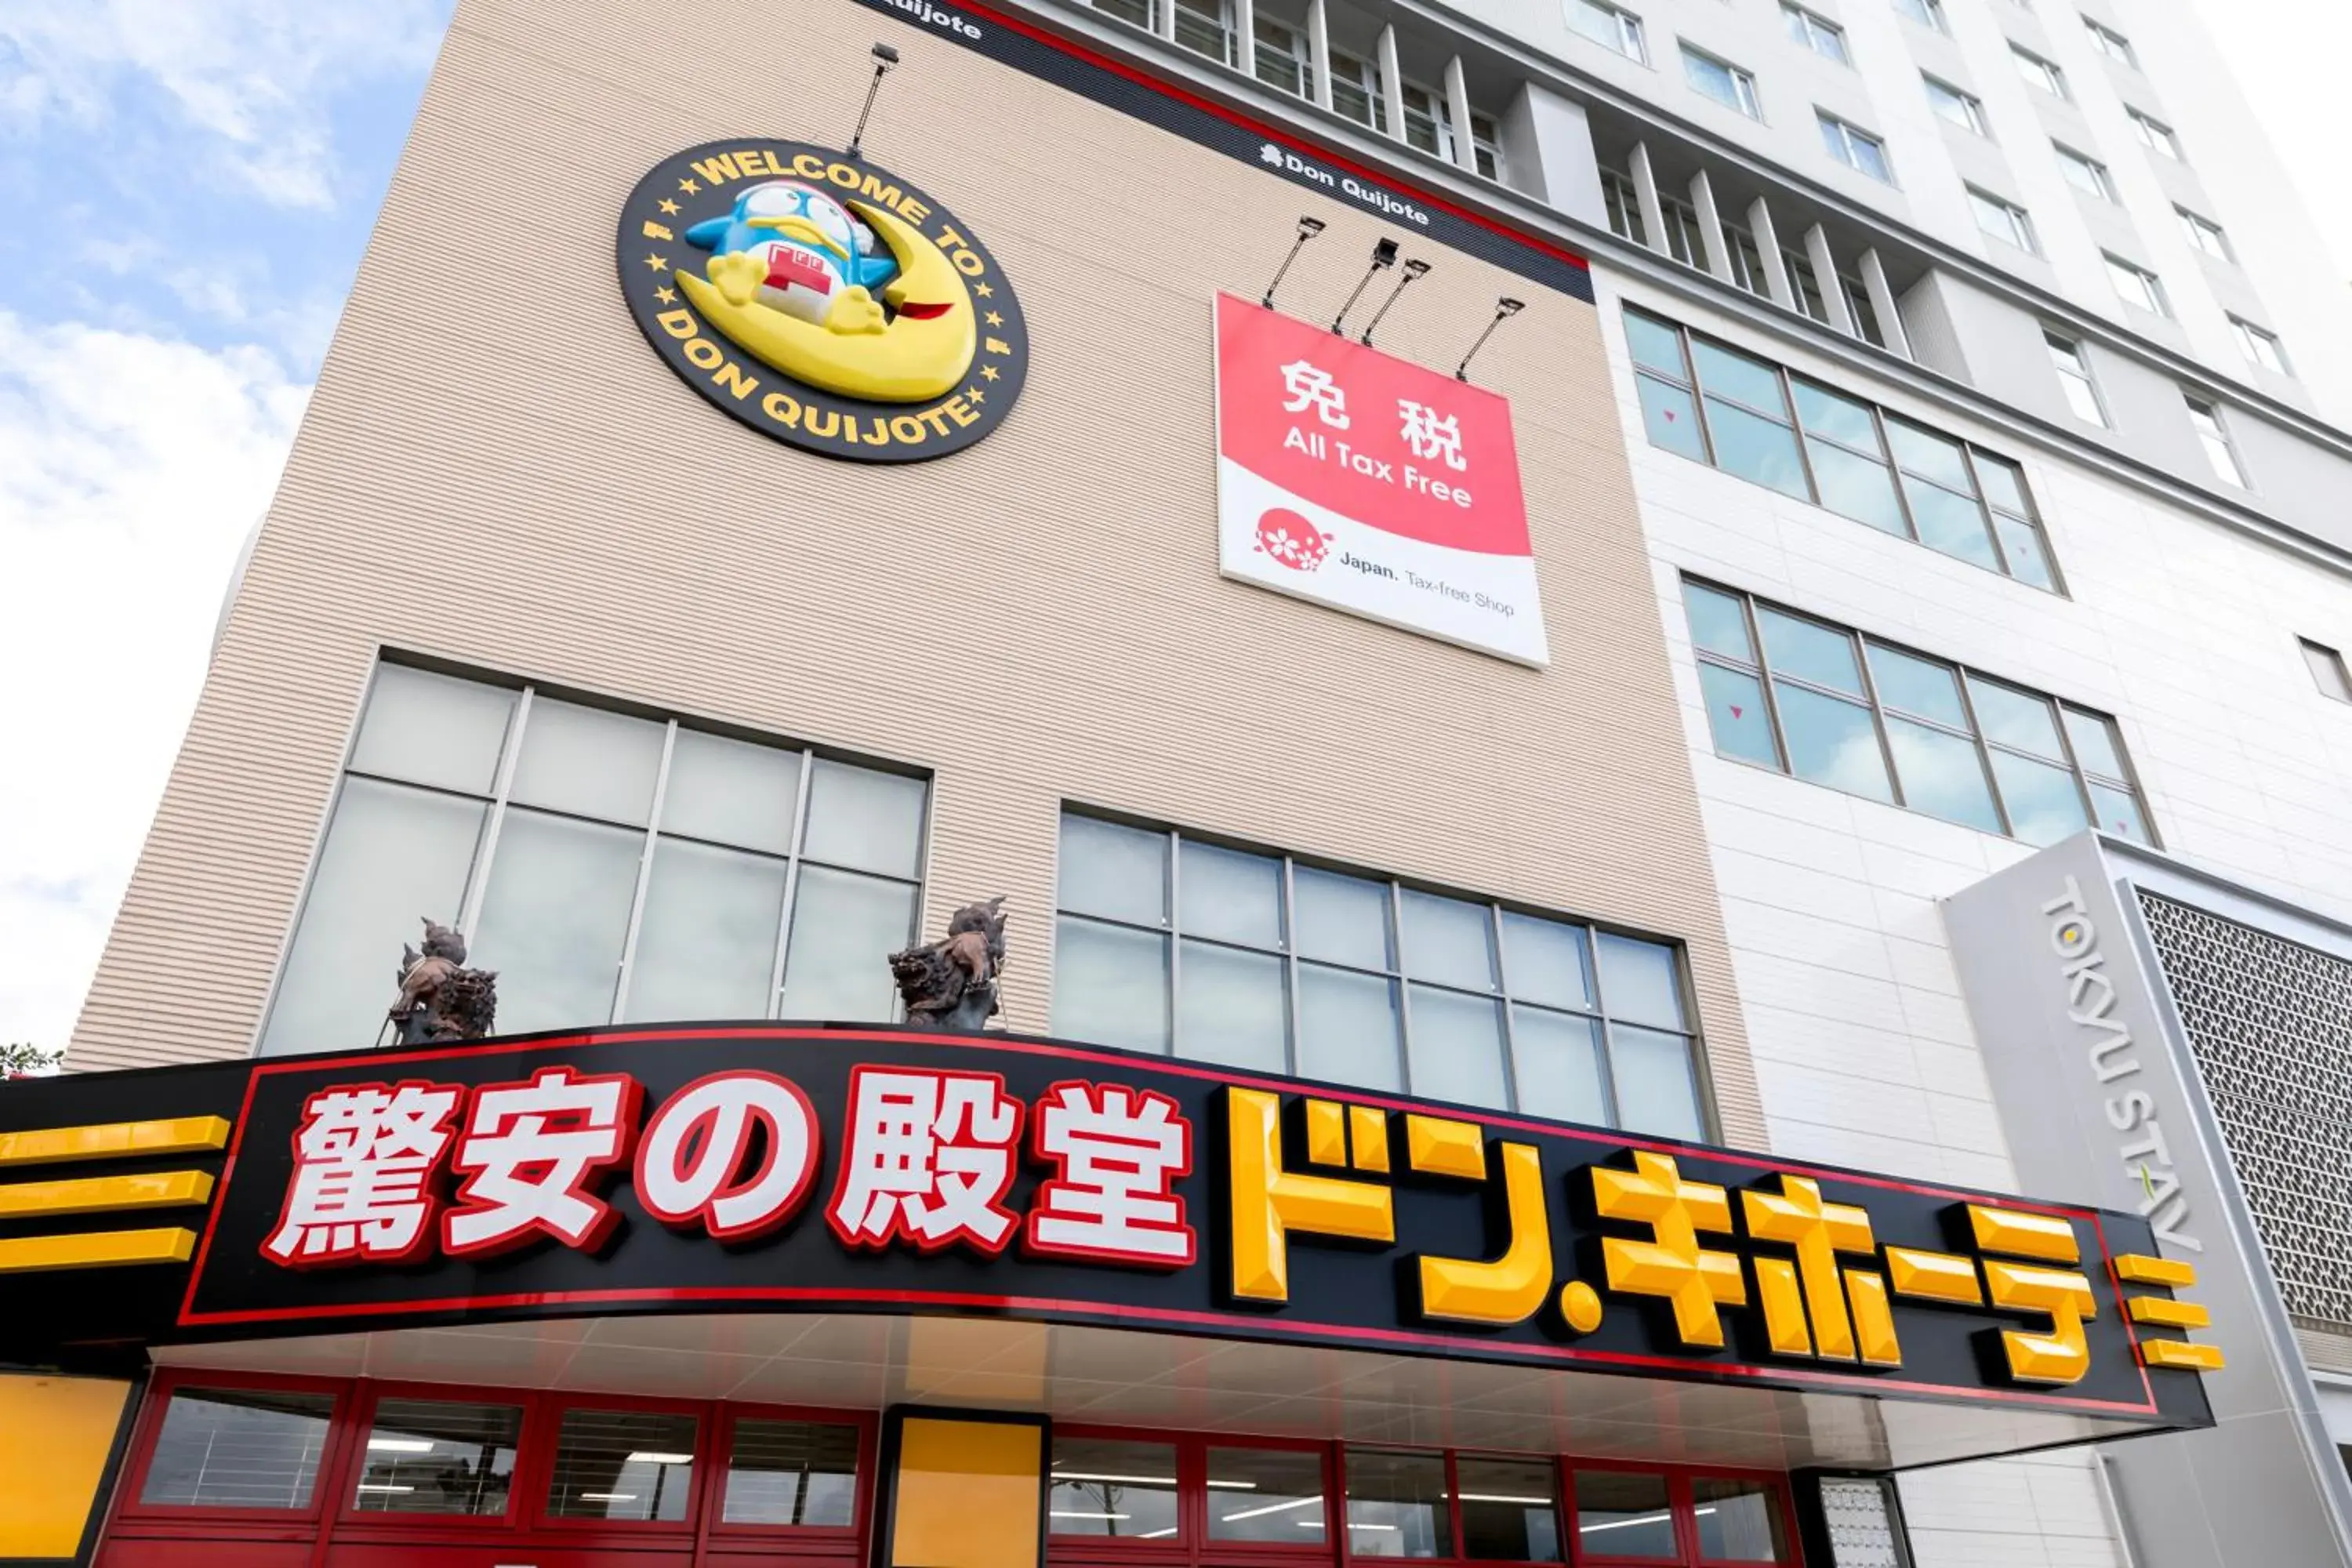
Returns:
point(1510, 1039)
point(644, 874)
point(1405, 987)
point(470, 913)
point(1290, 961)
point(1984, 753)
point(1174, 938)
point(1877, 716)
point(1698, 397)
point(793, 881)
point(1893, 471)
point(2074, 764)
point(1797, 434)
point(1984, 506)
point(1771, 699)
point(1613, 1116)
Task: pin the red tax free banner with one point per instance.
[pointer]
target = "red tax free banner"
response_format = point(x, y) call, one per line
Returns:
point(1373, 437)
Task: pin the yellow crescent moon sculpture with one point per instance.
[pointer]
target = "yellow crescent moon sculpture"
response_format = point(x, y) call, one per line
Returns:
point(915, 357)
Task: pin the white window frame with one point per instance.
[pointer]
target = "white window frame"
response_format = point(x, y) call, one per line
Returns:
point(2212, 430)
point(2155, 135)
point(1847, 134)
point(1362, 77)
point(1743, 81)
point(1928, 14)
point(1195, 12)
point(1292, 46)
point(2112, 44)
point(2075, 382)
point(2015, 224)
point(1630, 40)
point(2045, 74)
point(1813, 29)
point(2150, 295)
point(2207, 235)
point(1972, 112)
point(2103, 184)
point(2254, 339)
point(498, 803)
point(1178, 935)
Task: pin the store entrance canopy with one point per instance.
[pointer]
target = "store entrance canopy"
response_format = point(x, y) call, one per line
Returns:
point(1144, 1227)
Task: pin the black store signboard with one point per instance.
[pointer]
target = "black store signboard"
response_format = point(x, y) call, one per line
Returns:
point(1219, 1266)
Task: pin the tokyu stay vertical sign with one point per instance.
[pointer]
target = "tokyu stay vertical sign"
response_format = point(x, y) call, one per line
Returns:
point(1371, 485)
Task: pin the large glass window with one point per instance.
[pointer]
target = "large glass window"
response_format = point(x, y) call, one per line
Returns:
point(1855, 148)
point(1357, 91)
point(1725, 83)
point(2086, 174)
point(2038, 71)
point(1269, 1496)
point(1815, 32)
point(1282, 58)
point(2002, 218)
point(608, 867)
point(2205, 418)
point(1510, 1509)
point(2138, 286)
point(238, 1448)
point(787, 1472)
point(1803, 697)
point(433, 1455)
point(1625, 1513)
point(1609, 26)
point(2155, 135)
point(2073, 368)
point(1398, 1505)
point(633, 1465)
point(1748, 416)
point(1964, 109)
point(2260, 345)
point(1112, 1487)
point(1168, 944)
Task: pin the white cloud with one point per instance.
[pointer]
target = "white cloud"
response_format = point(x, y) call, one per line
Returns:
point(131, 469)
point(252, 79)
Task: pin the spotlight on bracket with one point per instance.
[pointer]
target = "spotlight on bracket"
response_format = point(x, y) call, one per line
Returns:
point(1413, 269)
point(1384, 257)
point(1309, 227)
point(884, 57)
point(1504, 307)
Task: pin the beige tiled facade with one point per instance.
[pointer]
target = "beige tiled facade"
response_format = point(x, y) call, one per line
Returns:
point(497, 472)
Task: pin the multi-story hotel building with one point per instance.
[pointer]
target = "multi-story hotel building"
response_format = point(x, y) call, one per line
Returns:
point(1654, 690)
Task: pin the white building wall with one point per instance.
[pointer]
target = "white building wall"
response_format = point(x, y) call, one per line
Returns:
point(1864, 1051)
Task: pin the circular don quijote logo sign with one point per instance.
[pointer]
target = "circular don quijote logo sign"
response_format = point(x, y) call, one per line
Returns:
point(823, 300)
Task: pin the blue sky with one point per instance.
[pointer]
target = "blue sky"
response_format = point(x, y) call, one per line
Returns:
point(187, 187)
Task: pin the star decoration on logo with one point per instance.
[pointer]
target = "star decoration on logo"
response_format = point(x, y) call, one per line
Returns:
point(669, 207)
point(667, 296)
point(975, 395)
point(657, 263)
point(983, 291)
point(994, 320)
point(690, 188)
point(988, 372)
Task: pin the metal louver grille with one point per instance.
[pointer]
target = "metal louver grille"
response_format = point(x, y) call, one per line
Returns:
point(2269, 1023)
point(1862, 1529)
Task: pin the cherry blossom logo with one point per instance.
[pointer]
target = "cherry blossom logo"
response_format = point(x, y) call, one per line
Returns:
point(1292, 541)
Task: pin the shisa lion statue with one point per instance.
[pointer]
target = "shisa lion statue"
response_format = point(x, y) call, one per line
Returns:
point(952, 983)
point(440, 998)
